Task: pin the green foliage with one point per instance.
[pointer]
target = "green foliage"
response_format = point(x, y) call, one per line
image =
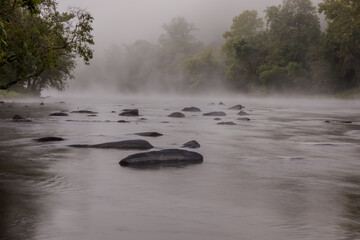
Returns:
point(343, 40)
point(42, 44)
point(203, 70)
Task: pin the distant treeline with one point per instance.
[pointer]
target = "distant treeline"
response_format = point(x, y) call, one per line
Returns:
point(286, 51)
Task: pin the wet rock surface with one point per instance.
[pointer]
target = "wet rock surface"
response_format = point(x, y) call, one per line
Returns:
point(226, 123)
point(59, 114)
point(18, 118)
point(217, 114)
point(129, 112)
point(84, 111)
point(162, 157)
point(149, 134)
point(191, 109)
point(191, 144)
point(237, 107)
point(177, 115)
point(126, 144)
point(242, 113)
point(49, 139)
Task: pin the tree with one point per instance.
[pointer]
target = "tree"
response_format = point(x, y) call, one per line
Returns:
point(244, 49)
point(343, 40)
point(41, 40)
point(293, 29)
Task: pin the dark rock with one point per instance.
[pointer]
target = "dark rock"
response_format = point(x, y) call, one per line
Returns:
point(92, 115)
point(163, 157)
point(242, 113)
point(211, 103)
point(113, 112)
point(191, 144)
point(122, 121)
point(84, 111)
point(49, 139)
point(221, 103)
point(42, 103)
point(129, 112)
point(217, 119)
point(164, 122)
point(244, 119)
point(226, 123)
point(338, 121)
point(143, 119)
point(60, 114)
point(237, 107)
point(217, 114)
point(62, 102)
point(149, 134)
point(191, 109)
point(176, 115)
point(18, 118)
point(127, 144)
point(2, 102)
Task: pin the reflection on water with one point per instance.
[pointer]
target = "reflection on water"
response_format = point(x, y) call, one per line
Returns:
point(285, 174)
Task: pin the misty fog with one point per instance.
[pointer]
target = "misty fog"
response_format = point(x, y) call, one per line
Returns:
point(120, 24)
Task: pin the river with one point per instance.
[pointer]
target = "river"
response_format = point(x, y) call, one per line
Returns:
point(285, 174)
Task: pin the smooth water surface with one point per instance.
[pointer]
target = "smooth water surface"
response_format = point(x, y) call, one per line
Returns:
point(285, 174)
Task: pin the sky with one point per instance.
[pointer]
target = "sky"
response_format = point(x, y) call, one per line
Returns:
point(125, 21)
point(118, 22)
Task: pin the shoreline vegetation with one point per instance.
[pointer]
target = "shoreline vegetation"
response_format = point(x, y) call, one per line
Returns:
point(284, 52)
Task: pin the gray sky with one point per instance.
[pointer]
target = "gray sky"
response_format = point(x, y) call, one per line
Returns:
point(124, 21)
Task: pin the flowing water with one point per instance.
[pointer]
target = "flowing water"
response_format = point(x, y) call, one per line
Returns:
point(285, 174)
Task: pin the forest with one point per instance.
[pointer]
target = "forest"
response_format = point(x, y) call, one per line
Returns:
point(285, 51)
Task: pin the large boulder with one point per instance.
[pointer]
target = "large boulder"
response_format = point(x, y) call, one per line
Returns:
point(167, 156)
point(176, 115)
point(138, 144)
point(191, 109)
point(129, 113)
point(217, 114)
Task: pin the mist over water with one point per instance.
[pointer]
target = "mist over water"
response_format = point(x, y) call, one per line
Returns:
point(285, 174)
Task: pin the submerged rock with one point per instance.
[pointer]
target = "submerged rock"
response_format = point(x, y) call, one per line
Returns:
point(226, 123)
point(2, 102)
point(242, 113)
point(149, 134)
point(191, 144)
point(338, 121)
point(176, 115)
point(129, 112)
point(60, 114)
point(18, 118)
point(84, 111)
point(221, 103)
point(217, 114)
point(244, 119)
point(127, 144)
point(217, 119)
point(92, 115)
point(122, 121)
point(167, 156)
point(237, 107)
point(191, 109)
point(49, 139)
